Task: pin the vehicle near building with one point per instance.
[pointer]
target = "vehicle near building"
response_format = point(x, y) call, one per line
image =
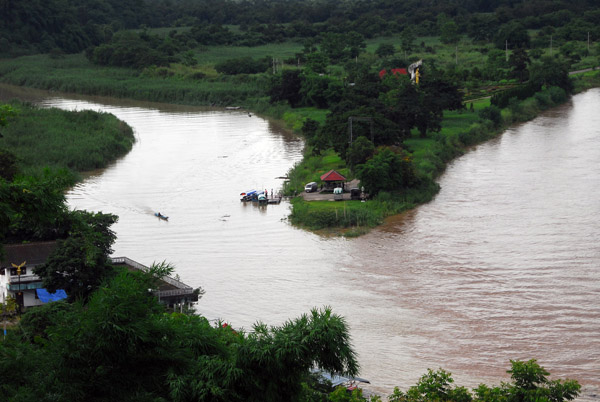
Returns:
point(311, 187)
point(355, 193)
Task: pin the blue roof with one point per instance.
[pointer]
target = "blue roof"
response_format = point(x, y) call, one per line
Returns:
point(47, 297)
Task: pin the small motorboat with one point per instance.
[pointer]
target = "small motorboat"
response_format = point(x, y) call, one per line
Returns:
point(248, 195)
point(161, 216)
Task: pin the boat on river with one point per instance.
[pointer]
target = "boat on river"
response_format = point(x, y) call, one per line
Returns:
point(248, 195)
point(161, 216)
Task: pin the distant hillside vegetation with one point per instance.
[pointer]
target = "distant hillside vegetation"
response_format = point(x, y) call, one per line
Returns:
point(70, 26)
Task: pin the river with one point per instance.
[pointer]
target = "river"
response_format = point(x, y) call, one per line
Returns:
point(503, 264)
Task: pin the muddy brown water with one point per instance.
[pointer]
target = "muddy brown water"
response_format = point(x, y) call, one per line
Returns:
point(503, 264)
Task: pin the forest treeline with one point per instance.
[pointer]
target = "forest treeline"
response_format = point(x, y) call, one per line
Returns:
point(71, 26)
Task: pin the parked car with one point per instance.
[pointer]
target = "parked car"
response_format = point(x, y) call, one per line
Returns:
point(311, 187)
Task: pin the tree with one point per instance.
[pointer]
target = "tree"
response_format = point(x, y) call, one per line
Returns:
point(433, 386)
point(495, 64)
point(401, 104)
point(530, 383)
point(519, 60)
point(407, 39)
point(6, 112)
point(79, 264)
point(355, 43)
point(385, 50)
point(286, 87)
point(435, 96)
point(334, 46)
point(189, 58)
point(492, 113)
point(8, 161)
point(387, 170)
point(481, 27)
point(449, 33)
point(122, 346)
point(339, 47)
point(317, 62)
point(33, 208)
point(358, 153)
point(550, 72)
point(512, 34)
point(310, 131)
point(314, 89)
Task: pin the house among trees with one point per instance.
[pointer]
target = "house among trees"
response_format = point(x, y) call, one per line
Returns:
point(394, 71)
point(18, 281)
point(333, 179)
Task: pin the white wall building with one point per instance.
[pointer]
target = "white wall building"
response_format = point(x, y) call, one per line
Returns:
point(23, 287)
point(27, 289)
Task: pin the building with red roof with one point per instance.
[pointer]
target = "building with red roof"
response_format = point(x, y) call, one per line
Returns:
point(333, 179)
point(395, 71)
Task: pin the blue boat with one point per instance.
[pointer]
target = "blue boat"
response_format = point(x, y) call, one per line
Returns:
point(248, 195)
point(161, 216)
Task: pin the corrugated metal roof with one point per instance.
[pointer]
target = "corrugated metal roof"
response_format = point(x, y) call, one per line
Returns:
point(34, 253)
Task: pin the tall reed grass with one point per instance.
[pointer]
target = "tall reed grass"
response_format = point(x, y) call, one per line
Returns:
point(76, 74)
point(80, 141)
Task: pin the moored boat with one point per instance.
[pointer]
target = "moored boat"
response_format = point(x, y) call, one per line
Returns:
point(248, 195)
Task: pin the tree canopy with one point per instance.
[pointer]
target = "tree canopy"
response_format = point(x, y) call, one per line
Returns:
point(122, 346)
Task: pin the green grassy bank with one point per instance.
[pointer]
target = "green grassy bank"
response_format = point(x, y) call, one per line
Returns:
point(78, 141)
point(75, 74)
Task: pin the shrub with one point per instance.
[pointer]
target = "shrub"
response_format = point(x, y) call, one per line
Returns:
point(558, 95)
point(243, 65)
point(492, 113)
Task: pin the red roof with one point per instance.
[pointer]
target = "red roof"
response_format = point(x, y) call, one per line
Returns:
point(395, 71)
point(332, 175)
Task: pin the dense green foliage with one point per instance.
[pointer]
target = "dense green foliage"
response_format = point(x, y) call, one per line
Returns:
point(129, 49)
point(76, 25)
point(33, 208)
point(80, 141)
point(79, 264)
point(387, 170)
point(529, 383)
point(122, 346)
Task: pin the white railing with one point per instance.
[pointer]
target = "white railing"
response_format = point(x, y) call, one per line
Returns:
point(176, 292)
point(24, 278)
point(137, 265)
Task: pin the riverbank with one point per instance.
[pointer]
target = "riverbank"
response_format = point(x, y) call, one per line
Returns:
point(460, 129)
point(76, 141)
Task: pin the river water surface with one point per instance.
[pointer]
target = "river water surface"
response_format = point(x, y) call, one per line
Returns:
point(503, 264)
